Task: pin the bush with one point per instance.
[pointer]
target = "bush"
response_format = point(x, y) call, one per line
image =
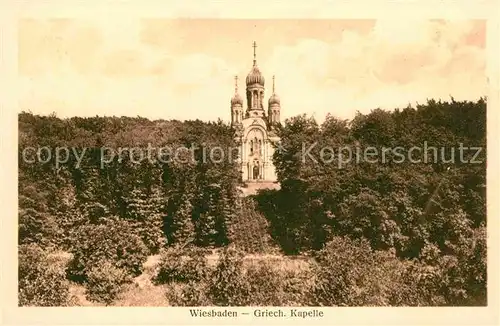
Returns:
point(229, 285)
point(105, 282)
point(297, 287)
point(420, 286)
point(265, 288)
point(190, 294)
point(272, 286)
point(115, 241)
point(42, 282)
point(233, 283)
point(447, 280)
point(177, 265)
point(226, 285)
point(349, 273)
point(37, 228)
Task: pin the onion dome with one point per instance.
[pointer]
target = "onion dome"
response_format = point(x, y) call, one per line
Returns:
point(255, 76)
point(236, 99)
point(274, 99)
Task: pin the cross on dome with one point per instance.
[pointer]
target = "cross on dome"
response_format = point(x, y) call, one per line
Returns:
point(254, 53)
point(255, 77)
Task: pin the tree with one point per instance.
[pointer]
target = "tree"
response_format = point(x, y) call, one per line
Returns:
point(42, 281)
point(145, 211)
point(113, 240)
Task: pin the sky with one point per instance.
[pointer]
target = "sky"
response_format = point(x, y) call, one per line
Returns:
point(185, 68)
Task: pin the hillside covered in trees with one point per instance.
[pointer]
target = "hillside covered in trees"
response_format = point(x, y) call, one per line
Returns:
point(392, 232)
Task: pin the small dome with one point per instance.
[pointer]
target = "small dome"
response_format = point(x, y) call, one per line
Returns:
point(274, 99)
point(237, 99)
point(255, 77)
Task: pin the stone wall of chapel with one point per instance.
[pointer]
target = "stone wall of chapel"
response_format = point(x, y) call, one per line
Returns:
point(259, 160)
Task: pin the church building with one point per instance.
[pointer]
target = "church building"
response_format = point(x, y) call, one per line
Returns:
point(255, 127)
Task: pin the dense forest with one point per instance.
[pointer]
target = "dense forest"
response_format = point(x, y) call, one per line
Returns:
point(396, 232)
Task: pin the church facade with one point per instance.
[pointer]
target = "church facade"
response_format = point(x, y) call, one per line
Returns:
point(255, 127)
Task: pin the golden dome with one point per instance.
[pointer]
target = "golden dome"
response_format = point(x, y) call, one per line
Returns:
point(255, 76)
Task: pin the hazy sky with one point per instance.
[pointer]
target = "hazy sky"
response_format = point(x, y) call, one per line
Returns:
point(184, 69)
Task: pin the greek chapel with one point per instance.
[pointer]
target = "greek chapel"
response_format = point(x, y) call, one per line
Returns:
point(255, 127)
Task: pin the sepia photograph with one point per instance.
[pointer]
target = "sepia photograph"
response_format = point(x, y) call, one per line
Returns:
point(266, 163)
